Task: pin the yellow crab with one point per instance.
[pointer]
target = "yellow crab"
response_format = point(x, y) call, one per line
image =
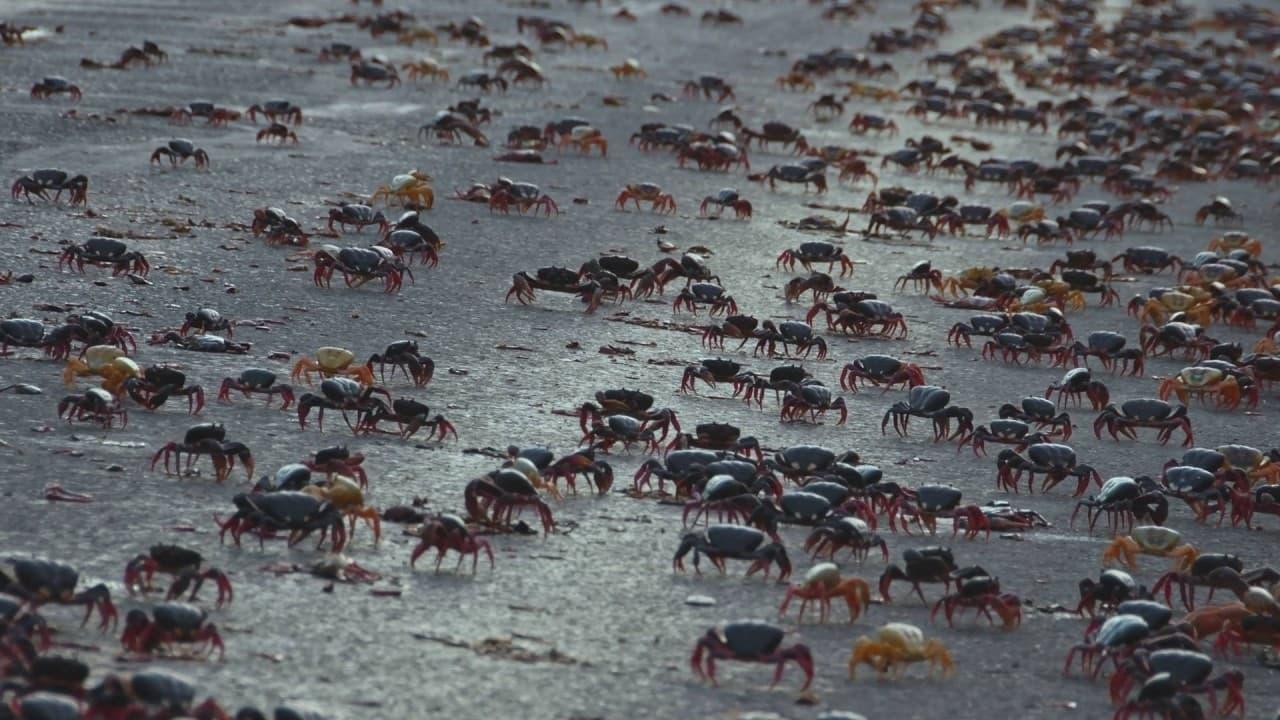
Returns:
point(1150, 540)
point(330, 362)
point(105, 361)
point(894, 646)
point(413, 187)
point(425, 68)
point(530, 471)
point(343, 493)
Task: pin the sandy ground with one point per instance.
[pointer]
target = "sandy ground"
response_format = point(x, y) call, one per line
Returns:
point(603, 594)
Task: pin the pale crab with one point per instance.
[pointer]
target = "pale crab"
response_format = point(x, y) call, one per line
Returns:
point(411, 188)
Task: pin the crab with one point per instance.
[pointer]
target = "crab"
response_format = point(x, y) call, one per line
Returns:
point(964, 215)
point(1144, 412)
point(585, 137)
point(199, 343)
point(708, 294)
point(660, 202)
point(788, 333)
point(776, 132)
point(1148, 260)
point(372, 71)
point(629, 68)
point(862, 317)
point(815, 252)
point(404, 355)
point(1077, 383)
point(55, 85)
point(276, 110)
point(1116, 638)
point(277, 131)
point(901, 219)
point(104, 252)
point(96, 405)
point(1168, 678)
point(257, 381)
point(263, 514)
point(331, 362)
point(813, 398)
point(105, 361)
point(158, 383)
point(409, 415)
point(1200, 382)
point(862, 123)
point(1236, 240)
point(40, 582)
point(896, 645)
point(495, 497)
point(1055, 461)
point(882, 371)
point(933, 403)
point(710, 371)
point(185, 565)
point(410, 189)
point(361, 216)
point(733, 542)
point(707, 86)
point(179, 151)
point(799, 461)
point(823, 583)
point(451, 126)
point(841, 532)
point(1109, 347)
point(344, 494)
point(983, 594)
point(922, 275)
point(593, 290)
point(1150, 540)
point(280, 229)
point(342, 394)
point(206, 439)
point(749, 641)
point(425, 68)
point(726, 198)
point(214, 115)
point(797, 174)
point(1002, 431)
point(446, 532)
point(1219, 209)
point(524, 196)
point(1171, 336)
point(716, 436)
point(1124, 500)
point(1217, 571)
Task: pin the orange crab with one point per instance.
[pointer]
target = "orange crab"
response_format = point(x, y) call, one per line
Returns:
point(629, 68)
point(105, 361)
point(585, 137)
point(330, 362)
point(1202, 381)
point(425, 68)
point(1150, 540)
point(661, 202)
point(895, 645)
point(343, 493)
point(823, 583)
point(1255, 464)
point(1236, 240)
point(1195, 305)
point(796, 81)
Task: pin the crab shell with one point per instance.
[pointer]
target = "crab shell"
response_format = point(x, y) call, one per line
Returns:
point(1156, 538)
point(905, 637)
point(826, 574)
point(334, 358)
point(100, 356)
